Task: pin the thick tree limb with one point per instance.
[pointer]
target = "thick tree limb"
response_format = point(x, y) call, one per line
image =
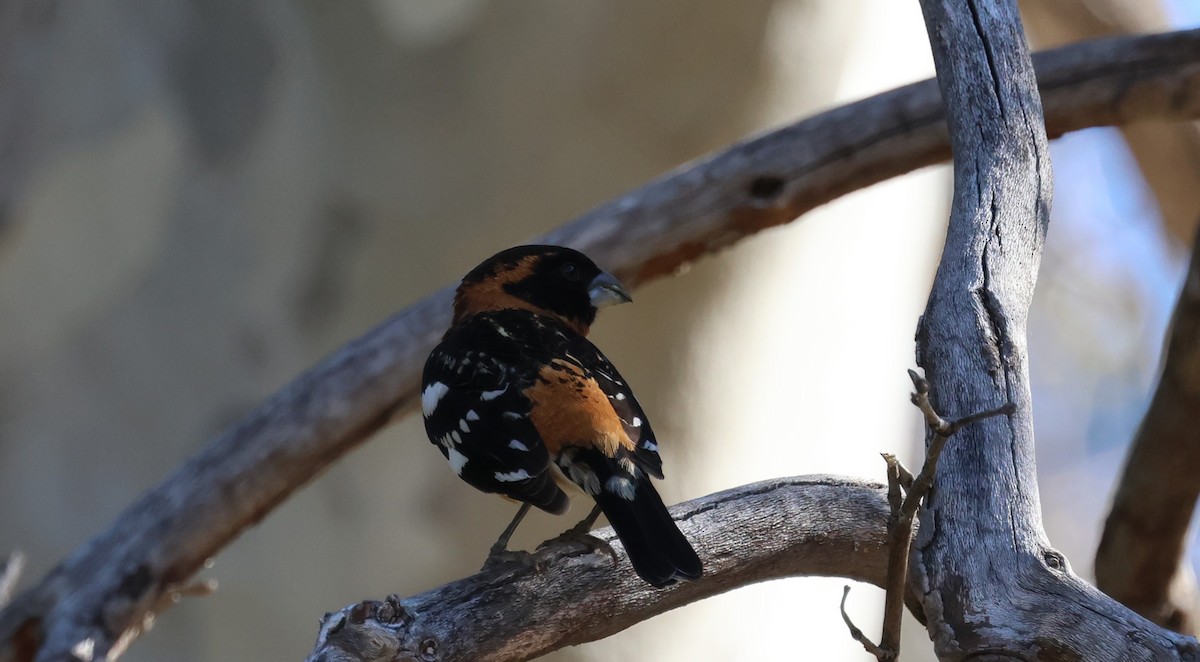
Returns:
point(106, 587)
point(990, 583)
point(809, 525)
point(1141, 559)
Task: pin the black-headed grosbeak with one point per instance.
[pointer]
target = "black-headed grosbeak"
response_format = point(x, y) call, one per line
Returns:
point(517, 399)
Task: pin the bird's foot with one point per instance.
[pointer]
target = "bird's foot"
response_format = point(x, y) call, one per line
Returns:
point(499, 557)
point(580, 535)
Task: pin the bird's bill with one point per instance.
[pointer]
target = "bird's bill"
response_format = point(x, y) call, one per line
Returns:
point(605, 290)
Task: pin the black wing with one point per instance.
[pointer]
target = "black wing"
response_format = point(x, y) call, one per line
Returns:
point(597, 366)
point(477, 417)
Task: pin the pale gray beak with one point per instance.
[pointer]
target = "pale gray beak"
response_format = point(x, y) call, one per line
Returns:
point(605, 290)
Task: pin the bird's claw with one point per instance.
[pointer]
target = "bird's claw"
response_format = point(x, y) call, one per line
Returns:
point(581, 536)
point(502, 558)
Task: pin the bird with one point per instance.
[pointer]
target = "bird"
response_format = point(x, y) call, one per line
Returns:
point(521, 404)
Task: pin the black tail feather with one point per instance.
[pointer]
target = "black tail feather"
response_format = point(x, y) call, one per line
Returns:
point(543, 492)
point(659, 552)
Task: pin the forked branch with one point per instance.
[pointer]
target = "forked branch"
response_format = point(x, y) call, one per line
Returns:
point(905, 495)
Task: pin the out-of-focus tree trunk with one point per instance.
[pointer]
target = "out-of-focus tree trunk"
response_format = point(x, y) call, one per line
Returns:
point(200, 198)
point(1141, 559)
point(1168, 153)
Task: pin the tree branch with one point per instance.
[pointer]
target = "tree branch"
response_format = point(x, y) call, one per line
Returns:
point(1141, 558)
point(809, 525)
point(105, 588)
point(990, 583)
point(906, 494)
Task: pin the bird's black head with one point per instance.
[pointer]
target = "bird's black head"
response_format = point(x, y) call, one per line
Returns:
point(548, 280)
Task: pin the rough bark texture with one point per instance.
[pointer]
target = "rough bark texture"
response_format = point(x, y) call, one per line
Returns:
point(1140, 560)
point(809, 525)
point(103, 590)
point(990, 583)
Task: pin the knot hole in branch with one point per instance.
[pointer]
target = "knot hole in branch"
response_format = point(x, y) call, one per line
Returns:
point(765, 188)
point(1054, 560)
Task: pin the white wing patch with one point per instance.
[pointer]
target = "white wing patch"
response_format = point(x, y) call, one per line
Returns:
point(431, 396)
point(457, 460)
point(492, 395)
point(637, 422)
point(516, 445)
point(512, 476)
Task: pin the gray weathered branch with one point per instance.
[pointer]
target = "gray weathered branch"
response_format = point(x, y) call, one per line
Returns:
point(105, 588)
point(991, 585)
point(1141, 559)
point(809, 525)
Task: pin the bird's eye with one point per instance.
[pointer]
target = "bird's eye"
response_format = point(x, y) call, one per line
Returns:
point(570, 271)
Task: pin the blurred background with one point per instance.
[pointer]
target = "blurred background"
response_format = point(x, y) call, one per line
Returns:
point(200, 198)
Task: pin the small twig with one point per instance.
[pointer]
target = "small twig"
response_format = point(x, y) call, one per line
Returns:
point(858, 635)
point(10, 574)
point(904, 475)
point(904, 512)
point(895, 483)
point(175, 593)
point(941, 431)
